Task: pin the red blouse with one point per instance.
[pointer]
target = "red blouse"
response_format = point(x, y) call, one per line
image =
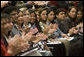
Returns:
point(4, 49)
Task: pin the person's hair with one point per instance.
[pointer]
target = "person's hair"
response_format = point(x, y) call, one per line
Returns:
point(23, 9)
point(41, 10)
point(79, 10)
point(60, 10)
point(5, 16)
point(32, 11)
point(49, 10)
point(81, 20)
point(69, 9)
point(9, 9)
point(36, 22)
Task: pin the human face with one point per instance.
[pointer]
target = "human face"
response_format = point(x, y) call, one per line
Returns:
point(44, 15)
point(6, 25)
point(14, 15)
point(37, 14)
point(72, 13)
point(20, 17)
point(32, 17)
point(51, 16)
point(61, 16)
point(79, 14)
point(4, 22)
point(26, 16)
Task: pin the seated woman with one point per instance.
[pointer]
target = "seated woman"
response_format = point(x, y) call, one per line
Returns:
point(35, 28)
point(53, 31)
point(79, 17)
point(78, 28)
point(43, 18)
point(34, 24)
point(52, 27)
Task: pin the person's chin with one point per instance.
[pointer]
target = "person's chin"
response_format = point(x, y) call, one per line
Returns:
point(73, 17)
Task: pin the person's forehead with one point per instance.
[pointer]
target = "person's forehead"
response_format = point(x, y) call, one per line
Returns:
point(79, 12)
point(3, 19)
point(44, 11)
point(52, 12)
point(13, 12)
point(20, 13)
point(62, 12)
point(73, 9)
point(32, 14)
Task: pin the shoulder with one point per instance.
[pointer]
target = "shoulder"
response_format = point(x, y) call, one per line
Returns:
point(67, 19)
point(56, 21)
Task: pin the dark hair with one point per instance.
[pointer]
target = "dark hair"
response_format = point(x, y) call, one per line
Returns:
point(9, 9)
point(42, 9)
point(5, 16)
point(69, 9)
point(81, 20)
point(79, 10)
point(59, 10)
point(36, 22)
point(49, 10)
point(32, 11)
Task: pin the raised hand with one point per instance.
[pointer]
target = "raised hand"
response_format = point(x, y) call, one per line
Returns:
point(55, 26)
point(16, 45)
point(42, 36)
point(35, 30)
point(27, 36)
point(73, 31)
point(51, 31)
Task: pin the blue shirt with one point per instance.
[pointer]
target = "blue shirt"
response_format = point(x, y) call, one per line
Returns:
point(57, 33)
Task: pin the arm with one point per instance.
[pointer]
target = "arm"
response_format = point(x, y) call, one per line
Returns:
point(62, 34)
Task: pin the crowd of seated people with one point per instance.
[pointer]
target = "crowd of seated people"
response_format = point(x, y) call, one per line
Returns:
point(29, 24)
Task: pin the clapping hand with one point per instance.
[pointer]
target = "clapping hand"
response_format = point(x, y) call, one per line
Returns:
point(16, 45)
point(53, 28)
point(35, 30)
point(73, 31)
point(27, 37)
point(41, 36)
